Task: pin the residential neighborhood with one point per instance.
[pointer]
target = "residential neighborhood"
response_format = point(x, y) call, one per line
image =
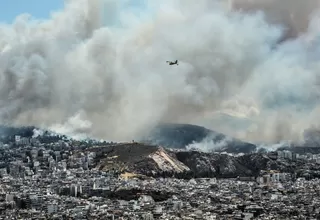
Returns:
point(51, 181)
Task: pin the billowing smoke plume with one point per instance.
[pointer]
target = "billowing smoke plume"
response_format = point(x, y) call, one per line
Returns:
point(295, 15)
point(99, 67)
point(210, 144)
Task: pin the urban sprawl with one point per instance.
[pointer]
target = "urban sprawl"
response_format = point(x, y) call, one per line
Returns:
point(42, 180)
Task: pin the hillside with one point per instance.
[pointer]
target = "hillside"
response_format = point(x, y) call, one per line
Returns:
point(181, 135)
point(134, 159)
point(137, 158)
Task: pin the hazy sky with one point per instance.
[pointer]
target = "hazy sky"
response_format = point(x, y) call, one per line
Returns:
point(38, 8)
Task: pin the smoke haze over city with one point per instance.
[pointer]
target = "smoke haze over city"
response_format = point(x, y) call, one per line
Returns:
point(98, 67)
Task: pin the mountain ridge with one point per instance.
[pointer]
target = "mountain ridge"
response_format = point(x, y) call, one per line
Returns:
point(173, 135)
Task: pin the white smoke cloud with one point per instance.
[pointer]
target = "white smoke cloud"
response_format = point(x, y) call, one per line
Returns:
point(76, 126)
point(99, 66)
point(37, 132)
point(210, 144)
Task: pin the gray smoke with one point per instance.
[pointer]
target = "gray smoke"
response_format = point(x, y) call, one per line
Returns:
point(294, 15)
point(98, 67)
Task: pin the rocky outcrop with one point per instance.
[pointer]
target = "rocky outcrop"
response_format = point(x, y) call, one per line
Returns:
point(167, 163)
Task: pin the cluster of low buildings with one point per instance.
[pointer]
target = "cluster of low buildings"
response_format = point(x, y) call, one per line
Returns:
point(59, 181)
point(292, 156)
